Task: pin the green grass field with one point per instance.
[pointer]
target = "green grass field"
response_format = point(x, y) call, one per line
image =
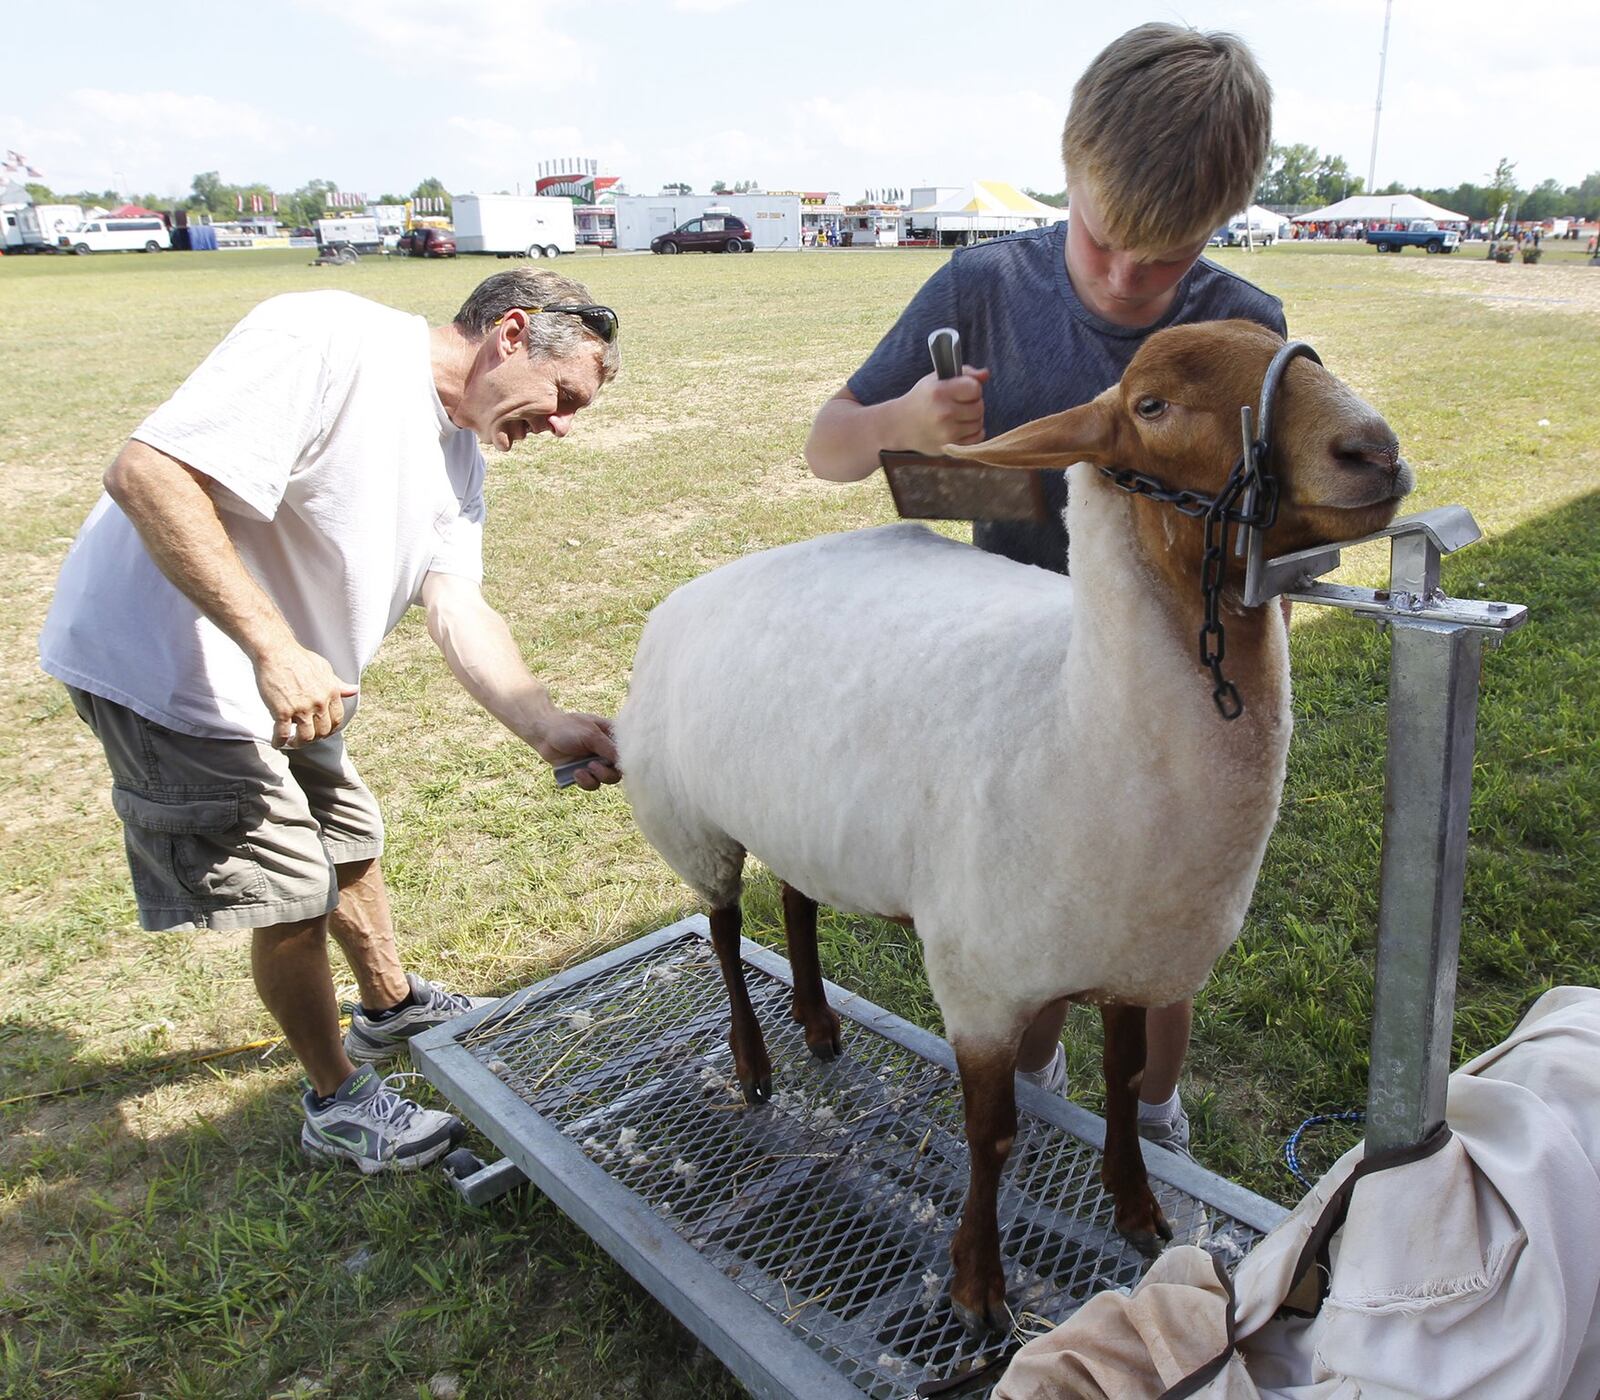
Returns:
point(159, 1232)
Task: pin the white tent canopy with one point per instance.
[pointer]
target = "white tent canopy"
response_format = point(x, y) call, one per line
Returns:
point(1261, 218)
point(1387, 208)
point(987, 204)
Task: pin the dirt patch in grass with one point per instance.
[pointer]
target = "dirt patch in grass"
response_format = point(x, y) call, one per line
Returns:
point(1516, 288)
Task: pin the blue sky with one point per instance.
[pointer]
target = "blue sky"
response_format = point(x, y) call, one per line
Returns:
point(813, 94)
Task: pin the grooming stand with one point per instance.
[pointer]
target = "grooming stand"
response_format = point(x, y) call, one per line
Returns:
point(805, 1242)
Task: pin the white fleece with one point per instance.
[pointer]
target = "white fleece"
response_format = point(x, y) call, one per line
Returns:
point(1028, 766)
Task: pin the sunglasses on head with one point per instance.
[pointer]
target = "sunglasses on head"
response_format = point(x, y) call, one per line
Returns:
point(602, 320)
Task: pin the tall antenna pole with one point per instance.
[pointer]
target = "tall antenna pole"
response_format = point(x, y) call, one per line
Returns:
point(1377, 111)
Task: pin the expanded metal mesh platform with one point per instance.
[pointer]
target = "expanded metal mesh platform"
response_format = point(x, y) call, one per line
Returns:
point(805, 1241)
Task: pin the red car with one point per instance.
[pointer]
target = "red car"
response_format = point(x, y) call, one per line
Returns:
point(426, 243)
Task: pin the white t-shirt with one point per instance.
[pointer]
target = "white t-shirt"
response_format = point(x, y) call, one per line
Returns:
point(341, 481)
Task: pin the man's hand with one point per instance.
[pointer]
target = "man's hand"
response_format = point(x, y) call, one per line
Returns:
point(940, 411)
point(568, 735)
point(302, 693)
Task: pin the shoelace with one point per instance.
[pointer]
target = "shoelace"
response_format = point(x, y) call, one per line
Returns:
point(439, 999)
point(388, 1107)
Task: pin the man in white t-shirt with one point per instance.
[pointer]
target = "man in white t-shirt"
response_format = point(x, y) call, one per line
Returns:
point(260, 534)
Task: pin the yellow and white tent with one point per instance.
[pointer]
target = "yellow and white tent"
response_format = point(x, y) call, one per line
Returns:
point(986, 206)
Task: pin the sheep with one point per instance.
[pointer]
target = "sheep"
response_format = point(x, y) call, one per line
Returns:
point(1027, 768)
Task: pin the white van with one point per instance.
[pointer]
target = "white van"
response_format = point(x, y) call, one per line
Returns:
point(146, 234)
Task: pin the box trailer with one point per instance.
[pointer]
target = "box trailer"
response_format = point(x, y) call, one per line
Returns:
point(391, 221)
point(514, 225)
point(36, 228)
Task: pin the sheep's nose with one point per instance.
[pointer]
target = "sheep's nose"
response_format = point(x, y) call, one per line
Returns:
point(1370, 447)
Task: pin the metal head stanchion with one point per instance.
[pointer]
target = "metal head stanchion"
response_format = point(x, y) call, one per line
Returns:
point(1435, 661)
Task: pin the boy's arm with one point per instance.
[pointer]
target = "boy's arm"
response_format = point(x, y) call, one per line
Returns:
point(895, 401)
point(848, 434)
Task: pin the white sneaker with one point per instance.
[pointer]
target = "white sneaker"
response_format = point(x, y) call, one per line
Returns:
point(367, 1122)
point(372, 1038)
point(1170, 1133)
point(1053, 1077)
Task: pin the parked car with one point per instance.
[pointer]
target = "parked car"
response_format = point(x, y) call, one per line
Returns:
point(710, 233)
point(1219, 239)
point(426, 243)
point(148, 235)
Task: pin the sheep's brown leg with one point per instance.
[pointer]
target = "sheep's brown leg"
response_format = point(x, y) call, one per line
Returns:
point(978, 1288)
point(750, 1062)
point(810, 1005)
point(1138, 1215)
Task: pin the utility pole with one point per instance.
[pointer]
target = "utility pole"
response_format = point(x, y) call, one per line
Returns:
point(1377, 112)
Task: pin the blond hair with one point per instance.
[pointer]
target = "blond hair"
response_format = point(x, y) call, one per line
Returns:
point(1170, 129)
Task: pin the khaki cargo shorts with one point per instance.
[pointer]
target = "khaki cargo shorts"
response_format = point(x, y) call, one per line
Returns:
point(231, 833)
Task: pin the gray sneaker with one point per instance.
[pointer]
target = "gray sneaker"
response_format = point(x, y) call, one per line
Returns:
point(1053, 1077)
point(368, 1123)
point(369, 1040)
point(1170, 1133)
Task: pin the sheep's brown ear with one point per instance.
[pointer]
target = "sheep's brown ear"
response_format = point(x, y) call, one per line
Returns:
point(1080, 434)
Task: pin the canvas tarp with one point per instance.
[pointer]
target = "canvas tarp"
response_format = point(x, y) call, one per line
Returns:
point(1380, 208)
point(1466, 1272)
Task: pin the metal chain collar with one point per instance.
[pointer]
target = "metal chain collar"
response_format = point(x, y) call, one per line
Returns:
point(1250, 479)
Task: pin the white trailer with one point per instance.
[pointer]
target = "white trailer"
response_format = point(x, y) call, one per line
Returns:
point(391, 221)
point(355, 234)
point(38, 227)
point(774, 219)
point(514, 225)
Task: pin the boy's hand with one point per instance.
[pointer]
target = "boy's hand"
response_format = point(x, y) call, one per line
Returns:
point(939, 411)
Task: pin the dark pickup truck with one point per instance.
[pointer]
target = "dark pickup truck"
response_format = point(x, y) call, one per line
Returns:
point(1419, 233)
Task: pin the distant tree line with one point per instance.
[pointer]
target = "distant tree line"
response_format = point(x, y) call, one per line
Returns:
point(1300, 176)
point(210, 193)
point(1297, 176)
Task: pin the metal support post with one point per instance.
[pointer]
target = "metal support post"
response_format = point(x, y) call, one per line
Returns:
point(1433, 707)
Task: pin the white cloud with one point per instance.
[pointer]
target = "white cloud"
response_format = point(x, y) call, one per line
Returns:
point(498, 43)
point(155, 140)
point(704, 7)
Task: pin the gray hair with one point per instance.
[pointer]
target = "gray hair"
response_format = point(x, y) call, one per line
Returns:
point(549, 337)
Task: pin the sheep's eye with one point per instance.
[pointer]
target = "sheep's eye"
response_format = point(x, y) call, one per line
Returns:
point(1150, 407)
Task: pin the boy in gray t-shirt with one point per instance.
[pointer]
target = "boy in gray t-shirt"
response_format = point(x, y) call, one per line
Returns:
point(1167, 135)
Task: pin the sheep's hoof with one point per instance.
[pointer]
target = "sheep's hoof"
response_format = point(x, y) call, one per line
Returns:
point(827, 1047)
point(994, 1320)
point(1148, 1241)
point(758, 1091)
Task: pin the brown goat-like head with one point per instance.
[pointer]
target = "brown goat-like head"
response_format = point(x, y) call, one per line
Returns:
point(1174, 416)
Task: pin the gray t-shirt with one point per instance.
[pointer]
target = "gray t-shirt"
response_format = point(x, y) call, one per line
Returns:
point(1014, 306)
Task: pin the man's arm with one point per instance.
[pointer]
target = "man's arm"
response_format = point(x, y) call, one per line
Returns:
point(847, 434)
point(170, 506)
point(480, 651)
